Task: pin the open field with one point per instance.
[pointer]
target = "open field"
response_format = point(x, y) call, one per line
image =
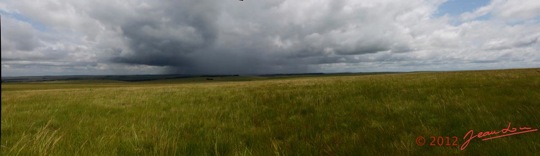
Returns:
point(330, 115)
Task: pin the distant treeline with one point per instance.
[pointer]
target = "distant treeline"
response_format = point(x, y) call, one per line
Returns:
point(136, 78)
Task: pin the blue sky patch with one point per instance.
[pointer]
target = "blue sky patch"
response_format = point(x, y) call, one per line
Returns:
point(457, 7)
point(23, 18)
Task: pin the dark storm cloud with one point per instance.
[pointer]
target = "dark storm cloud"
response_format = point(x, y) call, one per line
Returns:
point(167, 33)
point(211, 37)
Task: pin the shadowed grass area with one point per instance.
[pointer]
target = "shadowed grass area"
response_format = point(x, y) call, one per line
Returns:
point(331, 115)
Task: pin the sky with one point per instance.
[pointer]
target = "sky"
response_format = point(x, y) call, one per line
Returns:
point(124, 37)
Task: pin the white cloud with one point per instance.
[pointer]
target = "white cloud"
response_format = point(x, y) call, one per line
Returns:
point(210, 36)
point(513, 10)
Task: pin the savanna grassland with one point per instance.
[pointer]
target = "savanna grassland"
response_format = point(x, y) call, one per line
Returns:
point(319, 115)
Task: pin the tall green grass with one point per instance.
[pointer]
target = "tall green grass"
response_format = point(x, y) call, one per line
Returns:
point(340, 115)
